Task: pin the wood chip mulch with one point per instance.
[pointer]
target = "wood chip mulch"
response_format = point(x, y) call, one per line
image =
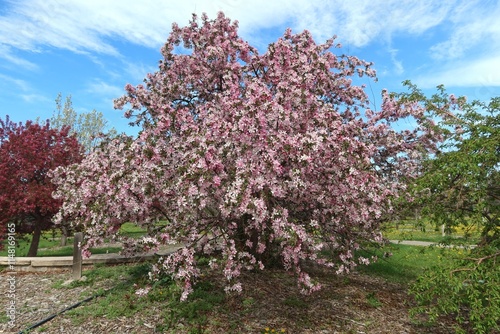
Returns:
point(356, 303)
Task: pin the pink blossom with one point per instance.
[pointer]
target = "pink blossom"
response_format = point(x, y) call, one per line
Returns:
point(142, 291)
point(248, 154)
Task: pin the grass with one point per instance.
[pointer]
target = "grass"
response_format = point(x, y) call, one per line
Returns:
point(68, 251)
point(208, 300)
point(131, 230)
point(403, 263)
point(372, 300)
point(121, 301)
point(50, 247)
point(208, 306)
point(50, 243)
point(270, 299)
point(4, 318)
point(426, 231)
point(48, 240)
point(192, 316)
point(294, 301)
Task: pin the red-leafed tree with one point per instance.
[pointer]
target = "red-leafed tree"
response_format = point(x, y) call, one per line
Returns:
point(27, 153)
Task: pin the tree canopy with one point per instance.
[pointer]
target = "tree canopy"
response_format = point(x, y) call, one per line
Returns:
point(461, 186)
point(89, 127)
point(250, 159)
point(28, 152)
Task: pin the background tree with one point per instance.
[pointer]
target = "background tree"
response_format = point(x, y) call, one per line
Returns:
point(88, 127)
point(252, 159)
point(461, 186)
point(27, 154)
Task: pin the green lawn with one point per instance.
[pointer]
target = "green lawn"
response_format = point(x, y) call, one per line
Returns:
point(50, 243)
point(403, 263)
point(425, 231)
point(47, 241)
point(131, 230)
point(53, 249)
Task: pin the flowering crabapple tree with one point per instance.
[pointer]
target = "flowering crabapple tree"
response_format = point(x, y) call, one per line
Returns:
point(89, 128)
point(251, 158)
point(27, 154)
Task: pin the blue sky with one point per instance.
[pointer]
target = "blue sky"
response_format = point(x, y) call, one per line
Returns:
point(90, 49)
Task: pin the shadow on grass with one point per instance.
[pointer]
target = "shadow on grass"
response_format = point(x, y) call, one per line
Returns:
point(401, 263)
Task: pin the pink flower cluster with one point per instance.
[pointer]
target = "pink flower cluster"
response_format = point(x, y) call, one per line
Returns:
point(249, 157)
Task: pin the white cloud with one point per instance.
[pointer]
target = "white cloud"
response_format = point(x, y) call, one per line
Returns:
point(18, 83)
point(7, 54)
point(101, 88)
point(361, 22)
point(398, 65)
point(90, 26)
point(35, 98)
point(96, 27)
point(138, 71)
point(33, 25)
point(483, 72)
point(470, 24)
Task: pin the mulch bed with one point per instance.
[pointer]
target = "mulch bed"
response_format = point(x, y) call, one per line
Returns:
point(356, 303)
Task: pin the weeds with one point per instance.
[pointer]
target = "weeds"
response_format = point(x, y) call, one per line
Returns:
point(372, 300)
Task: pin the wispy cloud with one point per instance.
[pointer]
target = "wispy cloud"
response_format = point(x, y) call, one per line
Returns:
point(361, 22)
point(90, 26)
point(469, 55)
point(104, 89)
point(398, 65)
point(470, 24)
point(33, 25)
point(12, 60)
point(13, 90)
point(35, 98)
point(96, 27)
point(483, 72)
point(18, 83)
point(139, 70)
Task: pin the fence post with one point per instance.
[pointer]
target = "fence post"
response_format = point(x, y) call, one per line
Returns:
point(77, 255)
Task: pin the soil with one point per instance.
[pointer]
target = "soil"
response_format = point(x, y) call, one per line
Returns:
point(357, 303)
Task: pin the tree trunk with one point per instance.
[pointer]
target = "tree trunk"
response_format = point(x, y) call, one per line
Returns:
point(64, 235)
point(36, 240)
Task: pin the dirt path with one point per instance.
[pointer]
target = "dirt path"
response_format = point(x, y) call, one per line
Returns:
point(422, 243)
